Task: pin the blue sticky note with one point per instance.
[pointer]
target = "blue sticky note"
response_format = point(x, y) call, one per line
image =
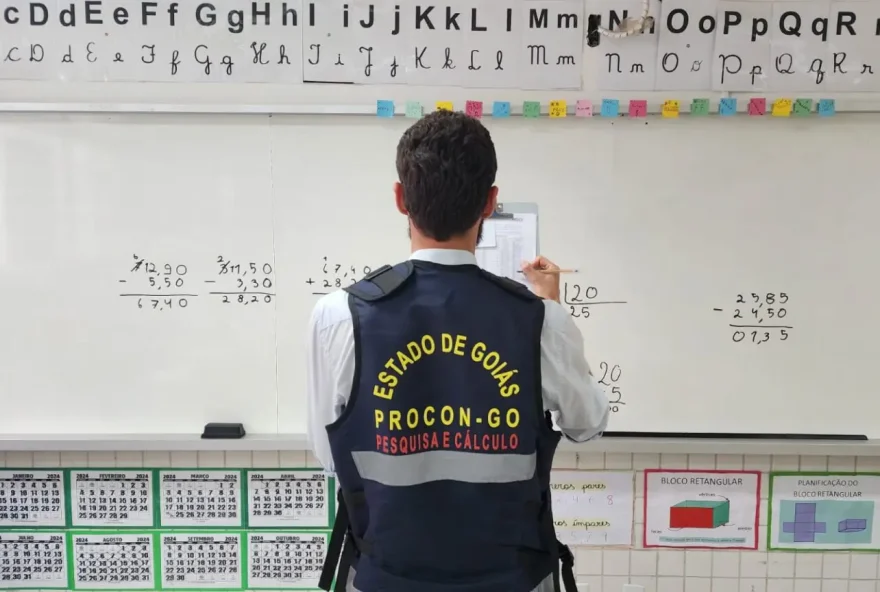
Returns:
point(385, 108)
point(727, 107)
point(826, 107)
point(501, 109)
point(610, 108)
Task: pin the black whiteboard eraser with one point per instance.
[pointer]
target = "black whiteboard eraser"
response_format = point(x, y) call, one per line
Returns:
point(223, 431)
point(593, 23)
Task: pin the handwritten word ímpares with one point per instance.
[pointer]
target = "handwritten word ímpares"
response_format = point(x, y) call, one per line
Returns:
point(593, 507)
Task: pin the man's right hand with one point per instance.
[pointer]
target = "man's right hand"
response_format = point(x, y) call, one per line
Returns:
point(545, 285)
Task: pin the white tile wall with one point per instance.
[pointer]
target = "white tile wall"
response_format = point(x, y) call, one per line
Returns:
point(608, 569)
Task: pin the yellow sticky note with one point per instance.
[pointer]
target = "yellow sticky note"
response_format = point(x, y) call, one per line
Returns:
point(781, 108)
point(670, 109)
point(558, 109)
point(444, 105)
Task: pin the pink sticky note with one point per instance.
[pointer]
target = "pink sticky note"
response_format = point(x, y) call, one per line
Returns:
point(584, 108)
point(638, 108)
point(474, 109)
point(757, 106)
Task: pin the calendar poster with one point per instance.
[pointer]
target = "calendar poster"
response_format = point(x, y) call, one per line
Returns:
point(30, 498)
point(289, 499)
point(112, 498)
point(291, 560)
point(33, 560)
point(113, 561)
point(201, 561)
point(197, 499)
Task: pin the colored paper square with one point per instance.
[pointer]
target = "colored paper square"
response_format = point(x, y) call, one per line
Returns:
point(610, 108)
point(757, 106)
point(558, 109)
point(781, 108)
point(826, 107)
point(727, 107)
point(385, 108)
point(444, 105)
point(474, 109)
point(413, 109)
point(700, 107)
point(531, 109)
point(501, 109)
point(638, 108)
point(670, 109)
point(803, 107)
point(584, 108)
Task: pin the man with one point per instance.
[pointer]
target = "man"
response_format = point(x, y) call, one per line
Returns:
point(431, 387)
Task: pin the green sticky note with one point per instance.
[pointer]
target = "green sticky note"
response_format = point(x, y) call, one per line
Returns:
point(531, 109)
point(414, 109)
point(700, 107)
point(803, 107)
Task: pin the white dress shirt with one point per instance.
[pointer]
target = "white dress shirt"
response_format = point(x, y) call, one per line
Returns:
point(577, 403)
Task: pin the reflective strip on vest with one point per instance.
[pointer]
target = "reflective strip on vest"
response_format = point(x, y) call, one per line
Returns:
point(441, 465)
point(546, 584)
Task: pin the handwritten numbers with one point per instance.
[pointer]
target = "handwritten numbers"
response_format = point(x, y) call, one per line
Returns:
point(700, 107)
point(760, 318)
point(610, 378)
point(727, 108)
point(156, 286)
point(583, 108)
point(610, 108)
point(474, 109)
point(385, 108)
point(638, 108)
point(532, 109)
point(246, 283)
point(757, 107)
point(444, 106)
point(803, 107)
point(558, 109)
point(670, 109)
point(501, 109)
point(826, 107)
point(781, 108)
point(413, 110)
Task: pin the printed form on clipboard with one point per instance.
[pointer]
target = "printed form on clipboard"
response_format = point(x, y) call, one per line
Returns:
point(506, 243)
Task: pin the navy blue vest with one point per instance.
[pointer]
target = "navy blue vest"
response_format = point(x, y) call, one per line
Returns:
point(443, 452)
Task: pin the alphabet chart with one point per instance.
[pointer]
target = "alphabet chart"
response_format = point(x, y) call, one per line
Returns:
point(31, 498)
point(285, 560)
point(288, 498)
point(200, 498)
point(112, 498)
point(33, 560)
point(201, 561)
point(117, 561)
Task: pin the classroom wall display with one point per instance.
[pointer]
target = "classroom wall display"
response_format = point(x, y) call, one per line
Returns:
point(593, 508)
point(513, 43)
point(741, 46)
point(702, 509)
point(824, 511)
point(30, 498)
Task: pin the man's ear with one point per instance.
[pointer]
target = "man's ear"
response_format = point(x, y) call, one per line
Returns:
point(398, 198)
point(491, 203)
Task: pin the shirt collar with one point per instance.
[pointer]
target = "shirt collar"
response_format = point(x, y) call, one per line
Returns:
point(445, 256)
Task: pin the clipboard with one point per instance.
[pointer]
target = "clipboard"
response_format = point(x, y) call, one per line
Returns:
point(508, 211)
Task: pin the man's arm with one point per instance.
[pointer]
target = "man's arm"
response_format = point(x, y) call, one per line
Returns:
point(329, 370)
point(577, 403)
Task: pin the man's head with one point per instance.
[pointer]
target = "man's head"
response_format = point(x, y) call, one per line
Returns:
point(446, 165)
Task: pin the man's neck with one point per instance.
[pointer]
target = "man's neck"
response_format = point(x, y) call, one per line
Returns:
point(455, 244)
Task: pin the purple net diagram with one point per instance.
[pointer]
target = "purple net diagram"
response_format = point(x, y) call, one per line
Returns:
point(826, 521)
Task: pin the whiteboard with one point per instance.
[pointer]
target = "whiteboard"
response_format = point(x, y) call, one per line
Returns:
point(666, 221)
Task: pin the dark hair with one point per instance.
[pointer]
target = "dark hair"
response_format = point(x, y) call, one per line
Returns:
point(446, 164)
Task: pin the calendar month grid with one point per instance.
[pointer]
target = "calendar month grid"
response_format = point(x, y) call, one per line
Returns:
point(112, 498)
point(201, 498)
point(33, 560)
point(285, 560)
point(303, 498)
point(32, 498)
point(122, 560)
point(201, 560)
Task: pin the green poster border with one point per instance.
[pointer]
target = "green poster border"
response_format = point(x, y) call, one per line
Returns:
point(65, 502)
point(71, 564)
point(242, 557)
point(331, 499)
point(771, 526)
point(154, 510)
point(261, 531)
point(242, 493)
point(43, 532)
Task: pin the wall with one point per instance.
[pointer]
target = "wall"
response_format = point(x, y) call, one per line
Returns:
point(605, 570)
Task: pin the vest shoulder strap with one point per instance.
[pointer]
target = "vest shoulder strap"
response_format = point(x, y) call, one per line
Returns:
point(382, 282)
point(514, 287)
